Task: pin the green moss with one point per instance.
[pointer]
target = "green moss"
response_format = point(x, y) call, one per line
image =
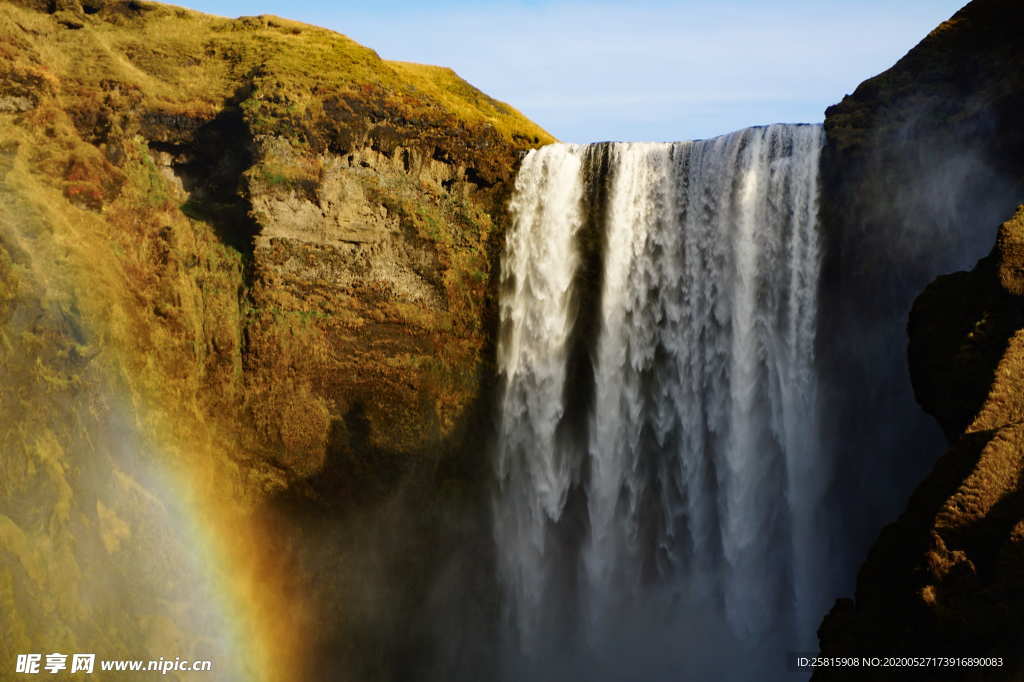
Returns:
point(149, 183)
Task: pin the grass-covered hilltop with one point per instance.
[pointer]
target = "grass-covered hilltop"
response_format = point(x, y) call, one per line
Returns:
point(247, 295)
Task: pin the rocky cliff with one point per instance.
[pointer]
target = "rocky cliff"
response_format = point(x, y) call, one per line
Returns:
point(247, 310)
point(923, 162)
point(947, 578)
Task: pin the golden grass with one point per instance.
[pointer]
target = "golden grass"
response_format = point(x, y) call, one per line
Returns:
point(444, 85)
point(188, 61)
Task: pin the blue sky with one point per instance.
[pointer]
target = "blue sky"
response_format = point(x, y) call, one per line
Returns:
point(589, 71)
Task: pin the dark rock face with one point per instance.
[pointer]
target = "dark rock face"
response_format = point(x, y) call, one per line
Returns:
point(960, 329)
point(921, 162)
point(947, 578)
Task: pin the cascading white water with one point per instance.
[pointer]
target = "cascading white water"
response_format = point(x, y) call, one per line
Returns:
point(656, 449)
point(539, 262)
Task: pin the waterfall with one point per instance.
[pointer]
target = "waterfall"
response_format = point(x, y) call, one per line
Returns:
point(656, 453)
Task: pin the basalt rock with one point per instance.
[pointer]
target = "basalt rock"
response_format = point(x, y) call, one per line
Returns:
point(946, 578)
point(921, 163)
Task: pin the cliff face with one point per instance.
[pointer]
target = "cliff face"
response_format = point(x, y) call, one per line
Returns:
point(947, 578)
point(247, 286)
point(922, 162)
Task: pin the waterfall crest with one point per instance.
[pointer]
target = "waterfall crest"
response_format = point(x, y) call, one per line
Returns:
point(657, 450)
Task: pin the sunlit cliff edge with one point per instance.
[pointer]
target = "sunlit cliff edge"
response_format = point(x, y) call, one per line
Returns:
point(247, 276)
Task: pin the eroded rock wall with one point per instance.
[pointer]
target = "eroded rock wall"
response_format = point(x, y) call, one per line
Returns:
point(247, 300)
point(921, 163)
point(947, 578)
